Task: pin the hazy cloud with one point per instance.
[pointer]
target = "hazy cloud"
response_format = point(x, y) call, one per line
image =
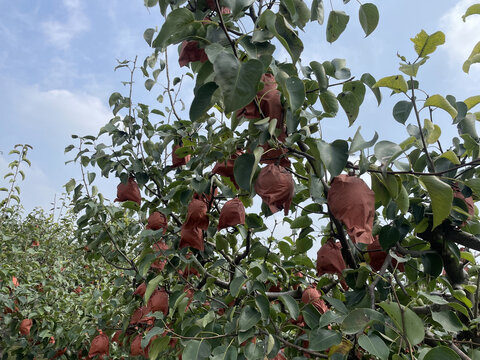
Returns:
point(61, 33)
point(59, 111)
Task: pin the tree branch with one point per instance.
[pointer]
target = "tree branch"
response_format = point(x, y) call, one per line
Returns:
point(463, 238)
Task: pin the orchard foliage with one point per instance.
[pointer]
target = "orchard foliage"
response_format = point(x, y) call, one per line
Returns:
point(401, 280)
point(54, 292)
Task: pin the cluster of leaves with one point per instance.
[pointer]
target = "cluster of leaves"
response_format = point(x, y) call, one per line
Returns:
point(48, 278)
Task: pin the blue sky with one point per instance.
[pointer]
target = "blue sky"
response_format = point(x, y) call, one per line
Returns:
point(57, 59)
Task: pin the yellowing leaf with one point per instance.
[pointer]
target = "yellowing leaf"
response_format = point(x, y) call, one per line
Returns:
point(441, 195)
point(474, 9)
point(343, 348)
point(396, 82)
point(442, 103)
point(426, 44)
point(433, 132)
point(451, 156)
point(473, 58)
point(472, 101)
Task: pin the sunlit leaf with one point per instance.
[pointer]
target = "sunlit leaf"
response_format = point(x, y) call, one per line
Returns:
point(441, 195)
point(426, 44)
point(442, 103)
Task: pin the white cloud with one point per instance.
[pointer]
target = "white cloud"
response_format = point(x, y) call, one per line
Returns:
point(61, 33)
point(45, 120)
point(461, 36)
point(59, 112)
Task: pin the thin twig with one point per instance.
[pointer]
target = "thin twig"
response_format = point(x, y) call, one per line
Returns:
point(417, 115)
point(172, 104)
point(292, 345)
point(247, 248)
point(336, 84)
point(224, 28)
point(379, 275)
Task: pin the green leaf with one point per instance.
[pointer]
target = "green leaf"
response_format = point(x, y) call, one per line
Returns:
point(472, 59)
point(243, 170)
point(329, 102)
point(441, 195)
point(317, 12)
point(301, 222)
point(149, 84)
point(357, 88)
point(474, 184)
point(291, 305)
point(396, 82)
point(402, 110)
point(177, 27)
point(432, 264)
point(426, 44)
point(91, 176)
point(311, 316)
point(277, 25)
point(238, 81)
point(448, 320)
point(224, 352)
point(441, 353)
point(150, 334)
point(238, 6)
point(389, 236)
point(152, 285)
point(295, 93)
point(472, 101)
point(322, 339)
point(202, 101)
point(150, 3)
point(387, 151)
point(334, 156)
point(337, 22)
point(196, 350)
point(236, 285)
point(359, 143)
point(374, 345)
point(472, 10)
point(263, 305)
point(248, 318)
point(350, 105)
point(412, 69)
point(413, 325)
point(433, 298)
point(303, 244)
point(368, 16)
point(402, 200)
point(433, 131)
point(296, 12)
point(157, 346)
point(70, 185)
point(370, 81)
point(442, 103)
point(148, 36)
point(358, 319)
point(341, 72)
point(320, 74)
